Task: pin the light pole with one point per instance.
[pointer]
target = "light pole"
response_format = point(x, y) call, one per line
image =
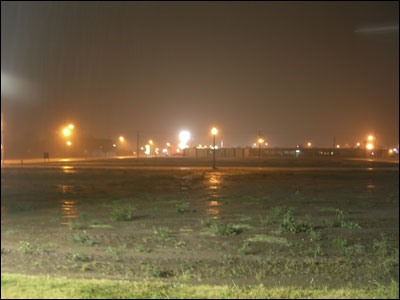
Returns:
point(214, 132)
point(260, 142)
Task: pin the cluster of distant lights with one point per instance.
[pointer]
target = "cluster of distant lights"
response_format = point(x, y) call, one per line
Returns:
point(67, 132)
point(184, 137)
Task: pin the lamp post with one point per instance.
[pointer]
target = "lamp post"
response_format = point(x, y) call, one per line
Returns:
point(260, 142)
point(214, 132)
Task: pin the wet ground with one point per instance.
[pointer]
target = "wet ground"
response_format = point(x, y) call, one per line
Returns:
point(329, 223)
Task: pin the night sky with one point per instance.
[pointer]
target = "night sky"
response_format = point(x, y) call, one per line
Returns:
point(296, 71)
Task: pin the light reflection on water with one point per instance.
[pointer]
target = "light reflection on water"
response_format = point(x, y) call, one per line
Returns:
point(68, 211)
point(68, 169)
point(214, 181)
point(68, 206)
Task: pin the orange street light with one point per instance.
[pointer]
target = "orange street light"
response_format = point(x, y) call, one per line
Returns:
point(121, 139)
point(69, 143)
point(66, 132)
point(214, 132)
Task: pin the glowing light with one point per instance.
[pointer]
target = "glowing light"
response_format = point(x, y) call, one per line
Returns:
point(121, 138)
point(141, 148)
point(150, 142)
point(147, 151)
point(370, 138)
point(390, 151)
point(338, 146)
point(184, 137)
point(168, 145)
point(114, 145)
point(69, 143)
point(370, 146)
point(358, 144)
point(266, 144)
point(396, 150)
point(214, 131)
point(309, 144)
point(261, 140)
point(71, 126)
point(66, 132)
point(165, 150)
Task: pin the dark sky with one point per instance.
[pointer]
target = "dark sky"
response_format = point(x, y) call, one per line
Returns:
point(296, 71)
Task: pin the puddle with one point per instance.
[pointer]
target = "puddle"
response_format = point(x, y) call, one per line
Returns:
point(68, 169)
point(68, 211)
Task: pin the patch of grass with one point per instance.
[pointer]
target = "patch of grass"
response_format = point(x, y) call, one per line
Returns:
point(339, 242)
point(213, 227)
point(382, 245)
point(76, 225)
point(289, 224)
point(122, 213)
point(346, 224)
point(98, 224)
point(180, 208)
point(40, 287)
point(162, 233)
point(354, 250)
point(314, 235)
point(25, 247)
point(44, 247)
point(115, 252)
point(79, 256)
point(262, 238)
point(315, 251)
point(142, 249)
point(245, 249)
point(155, 271)
point(12, 232)
point(83, 239)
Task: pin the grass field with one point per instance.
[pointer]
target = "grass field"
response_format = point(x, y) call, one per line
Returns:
point(179, 233)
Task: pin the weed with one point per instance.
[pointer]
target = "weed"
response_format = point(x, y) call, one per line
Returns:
point(180, 207)
point(218, 228)
point(78, 256)
point(245, 249)
point(75, 225)
point(122, 213)
point(44, 247)
point(142, 249)
point(314, 235)
point(82, 239)
point(354, 250)
point(350, 225)
point(25, 247)
point(346, 224)
point(339, 242)
point(288, 224)
point(262, 238)
point(382, 246)
point(155, 271)
point(163, 233)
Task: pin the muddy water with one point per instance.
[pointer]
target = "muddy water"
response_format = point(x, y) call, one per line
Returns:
point(38, 204)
